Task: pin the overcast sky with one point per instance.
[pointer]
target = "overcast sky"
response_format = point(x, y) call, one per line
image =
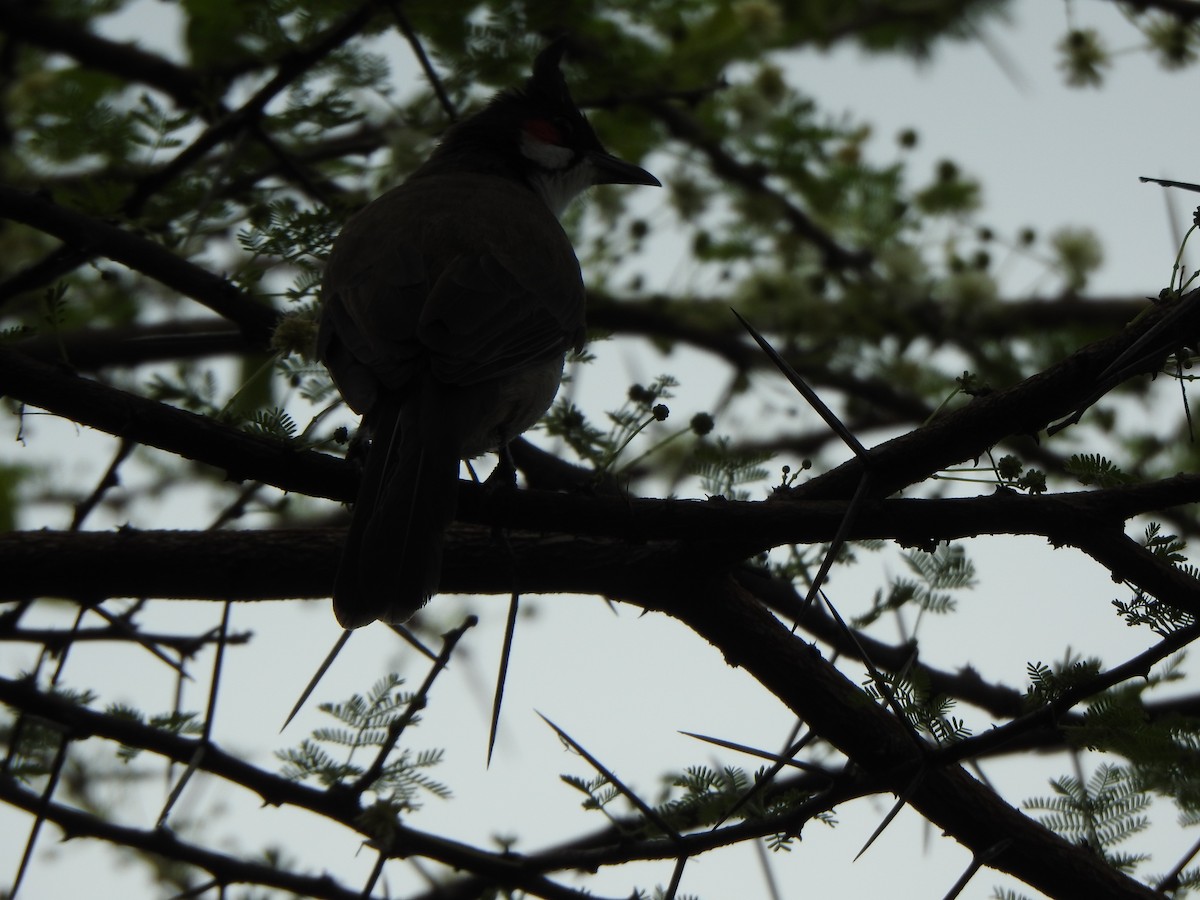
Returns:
point(1048, 156)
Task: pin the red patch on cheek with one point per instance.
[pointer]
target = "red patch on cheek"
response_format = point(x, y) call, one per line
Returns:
point(543, 131)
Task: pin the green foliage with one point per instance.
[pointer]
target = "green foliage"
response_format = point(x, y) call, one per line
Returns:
point(723, 468)
point(1083, 58)
point(289, 233)
point(1161, 749)
point(1077, 254)
point(950, 193)
point(329, 756)
point(947, 569)
point(643, 406)
point(1164, 618)
point(702, 797)
point(1048, 685)
point(600, 792)
point(1173, 41)
point(32, 743)
point(273, 423)
point(1008, 472)
point(642, 409)
point(1012, 474)
point(567, 421)
point(174, 722)
point(193, 389)
point(707, 795)
point(661, 893)
point(311, 379)
point(929, 713)
point(1106, 811)
point(12, 478)
point(159, 130)
point(1094, 469)
point(76, 107)
point(1168, 547)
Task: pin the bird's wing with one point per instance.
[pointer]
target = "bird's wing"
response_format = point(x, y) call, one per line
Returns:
point(368, 330)
point(414, 284)
point(483, 320)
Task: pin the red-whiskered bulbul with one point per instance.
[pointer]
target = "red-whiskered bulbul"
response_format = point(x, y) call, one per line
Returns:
point(448, 306)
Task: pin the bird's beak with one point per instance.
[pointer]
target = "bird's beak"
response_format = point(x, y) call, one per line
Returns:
point(610, 170)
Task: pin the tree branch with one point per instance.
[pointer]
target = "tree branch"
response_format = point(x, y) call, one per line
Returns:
point(92, 236)
point(188, 88)
point(1184, 10)
point(753, 180)
point(240, 455)
point(1024, 409)
point(585, 535)
point(90, 349)
point(838, 710)
point(290, 67)
point(509, 869)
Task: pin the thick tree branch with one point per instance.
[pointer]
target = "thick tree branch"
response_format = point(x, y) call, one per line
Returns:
point(186, 87)
point(90, 349)
point(94, 237)
point(961, 434)
point(223, 124)
point(161, 842)
point(586, 535)
point(240, 455)
point(509, 869)
point(1184, 10)
point(791, 669)
point(1024, 409)
point(706, 321)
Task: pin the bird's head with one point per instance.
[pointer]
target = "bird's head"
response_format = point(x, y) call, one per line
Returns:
point(537, 133)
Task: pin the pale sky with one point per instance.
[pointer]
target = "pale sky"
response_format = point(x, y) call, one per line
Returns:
point(623, 685)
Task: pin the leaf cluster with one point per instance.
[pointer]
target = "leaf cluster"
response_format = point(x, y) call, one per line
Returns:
point(329, 756)
point(1105, 811)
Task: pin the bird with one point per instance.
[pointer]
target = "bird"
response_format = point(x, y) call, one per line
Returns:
point(447, 307)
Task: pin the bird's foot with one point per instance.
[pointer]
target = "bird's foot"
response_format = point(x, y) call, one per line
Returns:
point(504, 476)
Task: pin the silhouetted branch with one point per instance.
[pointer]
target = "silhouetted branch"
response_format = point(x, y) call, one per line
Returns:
point(972, 430)
point(585, 535)
point(256, 319)
point(90, 349)
point(526, 871)
point(1184, 10)
point(290, 67)
point(187, 87)
point(752, 178)
point(836, 708)
point(240, 455)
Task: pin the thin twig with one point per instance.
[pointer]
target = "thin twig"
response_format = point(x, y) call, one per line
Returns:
point(449, 641)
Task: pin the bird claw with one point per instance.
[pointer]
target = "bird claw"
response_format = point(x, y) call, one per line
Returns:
point(504, 476)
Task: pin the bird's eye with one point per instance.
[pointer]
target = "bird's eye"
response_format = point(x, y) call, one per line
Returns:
point(565, 127)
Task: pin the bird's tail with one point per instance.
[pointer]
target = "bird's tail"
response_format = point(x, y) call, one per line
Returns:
point(392, 560)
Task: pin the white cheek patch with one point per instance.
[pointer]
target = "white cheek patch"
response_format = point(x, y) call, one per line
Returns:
point(558, 189)
point(548, 156)
point(560, 174)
